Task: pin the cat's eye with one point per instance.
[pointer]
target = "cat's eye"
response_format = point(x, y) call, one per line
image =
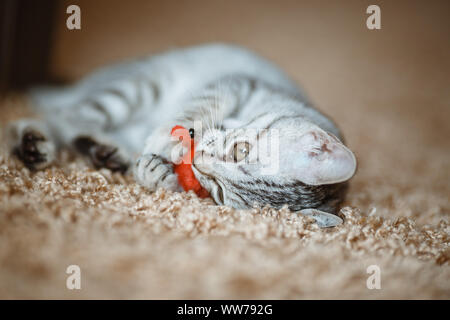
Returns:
point(240, 151)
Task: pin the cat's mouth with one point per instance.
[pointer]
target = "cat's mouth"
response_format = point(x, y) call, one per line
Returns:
point(210, 183)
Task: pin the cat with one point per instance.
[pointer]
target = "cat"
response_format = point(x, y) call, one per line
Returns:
point(126, 112)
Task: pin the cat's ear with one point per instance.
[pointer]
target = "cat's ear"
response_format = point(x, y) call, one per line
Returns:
point(323, 219)
point(317, 158)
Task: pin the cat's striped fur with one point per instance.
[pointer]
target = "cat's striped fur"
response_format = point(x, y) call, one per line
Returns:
point(125, 112)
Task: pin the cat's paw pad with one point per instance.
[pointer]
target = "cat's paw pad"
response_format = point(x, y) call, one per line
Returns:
point(153, 172)
point(34, 150)
point(102, 155)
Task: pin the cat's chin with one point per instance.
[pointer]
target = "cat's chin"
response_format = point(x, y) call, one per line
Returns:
point(218, 195)
point(214, 187)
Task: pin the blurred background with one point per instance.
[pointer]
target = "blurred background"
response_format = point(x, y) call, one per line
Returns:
point(388, 89)
point(321, 43)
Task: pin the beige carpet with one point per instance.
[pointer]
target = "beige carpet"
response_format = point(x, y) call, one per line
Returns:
point(130, 243)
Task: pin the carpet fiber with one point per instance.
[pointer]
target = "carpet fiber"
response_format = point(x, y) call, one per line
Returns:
point(130, 243)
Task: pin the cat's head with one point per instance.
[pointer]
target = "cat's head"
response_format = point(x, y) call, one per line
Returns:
point(290, 161)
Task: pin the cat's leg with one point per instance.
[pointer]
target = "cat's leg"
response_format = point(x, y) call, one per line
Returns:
point(100, 148)
point(32, 142)
point(91, 125)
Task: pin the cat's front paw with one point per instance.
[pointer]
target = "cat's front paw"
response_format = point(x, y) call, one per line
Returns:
point(153, 172)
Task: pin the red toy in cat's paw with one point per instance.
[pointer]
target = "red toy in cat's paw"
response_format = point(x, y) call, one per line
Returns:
point(186, 177)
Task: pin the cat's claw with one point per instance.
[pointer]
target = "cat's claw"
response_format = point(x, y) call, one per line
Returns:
point(323, 219)
point(101, 155)
point(153, 172)
point(35, 151)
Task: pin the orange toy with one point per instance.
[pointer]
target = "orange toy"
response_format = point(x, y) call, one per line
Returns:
point(186, 177)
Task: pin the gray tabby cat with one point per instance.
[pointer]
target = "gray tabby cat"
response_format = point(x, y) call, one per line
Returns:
point(127, 111)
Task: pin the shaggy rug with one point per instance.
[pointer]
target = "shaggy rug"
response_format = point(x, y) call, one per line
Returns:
point(130, 243)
